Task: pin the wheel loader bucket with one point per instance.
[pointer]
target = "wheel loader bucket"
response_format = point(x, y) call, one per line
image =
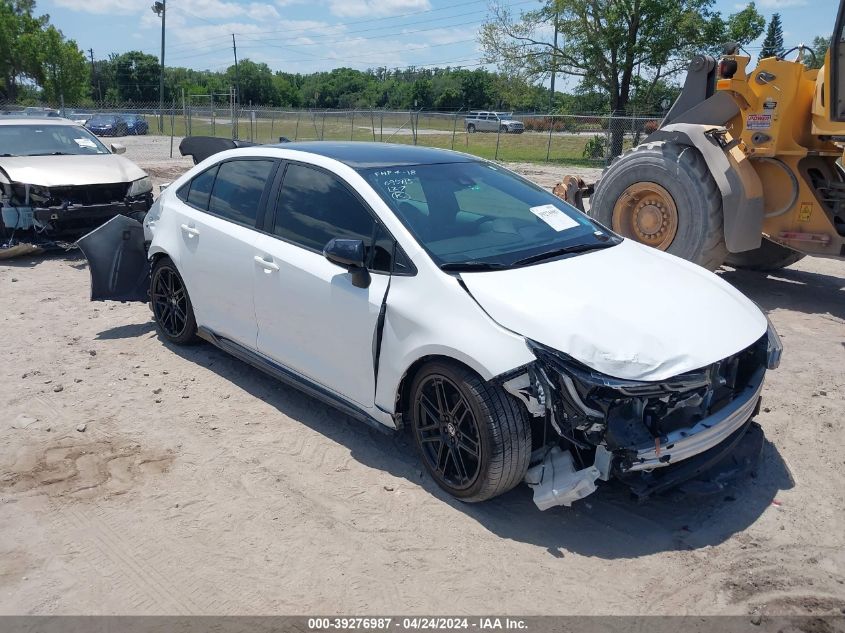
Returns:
point(573, 189)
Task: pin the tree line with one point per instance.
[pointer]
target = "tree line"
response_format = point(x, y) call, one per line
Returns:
point(626, 57)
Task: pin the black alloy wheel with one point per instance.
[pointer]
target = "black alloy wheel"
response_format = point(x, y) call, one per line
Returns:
point(171, 305)
point(473, 437)
point(448, 432)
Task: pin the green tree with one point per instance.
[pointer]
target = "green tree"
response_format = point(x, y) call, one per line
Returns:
point(136, 76)
point(20, 32)
point(605, 43)
point(476, 89)
point(820, 46)
point(255, 82)
point(64, 71)
point(742, 27)
point(773, 44)
point(422, 93)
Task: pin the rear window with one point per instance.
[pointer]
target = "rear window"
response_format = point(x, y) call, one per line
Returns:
point(198, 190)
point(238, 189)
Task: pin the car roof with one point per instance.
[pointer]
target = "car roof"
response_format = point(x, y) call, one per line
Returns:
point(359, 155)
point(31, 120)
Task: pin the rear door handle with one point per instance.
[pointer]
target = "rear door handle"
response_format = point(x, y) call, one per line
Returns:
point(191, 231)
point(267, 266)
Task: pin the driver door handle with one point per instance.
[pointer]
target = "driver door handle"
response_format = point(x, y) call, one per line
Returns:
point(191, 231)
point(267, 266)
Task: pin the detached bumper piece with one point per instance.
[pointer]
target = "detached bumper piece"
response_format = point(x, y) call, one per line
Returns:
point(652, 436)
point(117, 259)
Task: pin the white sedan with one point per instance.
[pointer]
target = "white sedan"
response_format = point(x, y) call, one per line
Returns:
point(413, 287)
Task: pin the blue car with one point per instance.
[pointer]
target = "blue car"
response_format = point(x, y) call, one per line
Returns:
point(107, 125)
point(135, 123)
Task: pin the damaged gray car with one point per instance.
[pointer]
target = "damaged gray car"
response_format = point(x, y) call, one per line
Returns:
point(58, 182)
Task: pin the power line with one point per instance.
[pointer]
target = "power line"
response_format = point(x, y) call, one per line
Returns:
point(404, 33)
point(322, 30)
point(292, 48)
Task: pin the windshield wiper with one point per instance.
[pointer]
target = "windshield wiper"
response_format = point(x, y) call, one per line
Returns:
point(566, 250)
point(472, 265)
point(8, 155)
point(52, 154)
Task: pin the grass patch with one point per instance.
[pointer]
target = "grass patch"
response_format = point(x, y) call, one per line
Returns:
point(393, 128)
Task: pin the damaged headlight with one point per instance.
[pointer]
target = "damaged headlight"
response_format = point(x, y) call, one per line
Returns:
point(140, 187)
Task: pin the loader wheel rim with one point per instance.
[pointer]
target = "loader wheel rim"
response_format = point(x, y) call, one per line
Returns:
point(646, 212)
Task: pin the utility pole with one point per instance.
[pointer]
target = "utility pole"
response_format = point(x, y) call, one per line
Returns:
point(160, 10)
point(94, 79)
point(554, 61)
point(237, 90)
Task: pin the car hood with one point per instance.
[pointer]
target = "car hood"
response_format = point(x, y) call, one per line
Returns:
point(56, 171)
point(629, 311)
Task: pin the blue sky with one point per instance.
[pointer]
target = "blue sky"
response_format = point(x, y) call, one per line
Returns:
point(309, 35)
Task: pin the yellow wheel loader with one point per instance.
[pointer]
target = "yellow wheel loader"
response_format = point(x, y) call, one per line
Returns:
point(744, 168)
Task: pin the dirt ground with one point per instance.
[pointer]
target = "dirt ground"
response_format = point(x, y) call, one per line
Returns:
point(139, 478)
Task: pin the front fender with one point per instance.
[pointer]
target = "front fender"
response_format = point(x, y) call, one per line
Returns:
point(416, 316)
point(738, 182)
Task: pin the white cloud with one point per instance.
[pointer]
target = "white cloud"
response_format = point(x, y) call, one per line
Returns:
point(781, 4)
point(101, 6)
point(368, 8)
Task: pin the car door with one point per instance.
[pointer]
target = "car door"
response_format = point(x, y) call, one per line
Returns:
point(486, 124)
point(311, 318)
point(217, 218)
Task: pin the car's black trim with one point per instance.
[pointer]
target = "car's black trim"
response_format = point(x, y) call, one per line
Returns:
point(363, 155)
point(292, 378)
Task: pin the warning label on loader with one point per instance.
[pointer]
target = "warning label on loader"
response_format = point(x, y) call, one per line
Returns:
point(758, 121)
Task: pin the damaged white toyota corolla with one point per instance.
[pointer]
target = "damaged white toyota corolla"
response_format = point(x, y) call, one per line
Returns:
point(518, 339)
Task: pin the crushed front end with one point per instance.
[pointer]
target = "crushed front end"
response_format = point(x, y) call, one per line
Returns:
point(42, 216)
point(650, 435)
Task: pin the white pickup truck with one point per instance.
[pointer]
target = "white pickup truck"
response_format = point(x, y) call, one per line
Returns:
point(483, 121)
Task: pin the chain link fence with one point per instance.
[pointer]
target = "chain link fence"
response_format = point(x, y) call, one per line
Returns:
point(591, 140)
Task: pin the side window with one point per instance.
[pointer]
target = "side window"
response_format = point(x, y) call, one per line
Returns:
point(238, 189)
point(197, 191)
point(315, 207)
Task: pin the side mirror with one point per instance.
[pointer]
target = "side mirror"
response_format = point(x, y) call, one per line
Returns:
point(118, 148)
point(349, 254)
point(164, 186)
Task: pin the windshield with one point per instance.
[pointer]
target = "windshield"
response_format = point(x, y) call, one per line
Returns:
point(477, 214)
point(45, 140)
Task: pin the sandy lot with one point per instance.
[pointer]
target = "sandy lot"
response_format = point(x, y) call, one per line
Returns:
point(140, 478)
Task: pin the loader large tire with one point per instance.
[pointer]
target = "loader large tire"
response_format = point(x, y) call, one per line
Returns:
point(662, 194)
point(770, 256)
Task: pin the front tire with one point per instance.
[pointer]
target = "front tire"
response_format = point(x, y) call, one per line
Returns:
point(172, 309)
point(504, 129)
point(770, 256)
point(473, 438)
point(663, 195)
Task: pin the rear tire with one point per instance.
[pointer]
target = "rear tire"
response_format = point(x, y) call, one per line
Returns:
point(770, 256)
point(473, 438)
point(471, 128)
point(687, 190)
point(172, 309)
